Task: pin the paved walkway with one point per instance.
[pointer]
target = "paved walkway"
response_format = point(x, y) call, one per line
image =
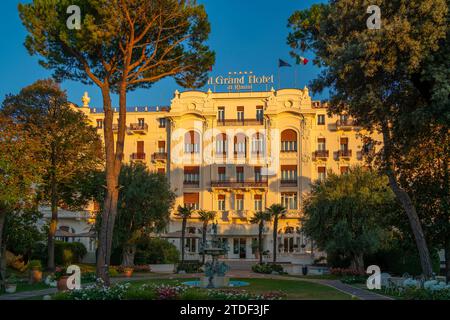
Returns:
point(359, 293)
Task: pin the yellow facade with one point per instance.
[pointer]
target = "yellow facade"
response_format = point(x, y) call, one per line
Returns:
point(236, 153)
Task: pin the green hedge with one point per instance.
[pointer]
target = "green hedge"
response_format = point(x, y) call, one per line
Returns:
point(190, 266)
point(268, 268)
point(69, 252)
point(156, 251)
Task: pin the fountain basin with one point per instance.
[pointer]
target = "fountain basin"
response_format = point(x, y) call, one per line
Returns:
point(203, 283)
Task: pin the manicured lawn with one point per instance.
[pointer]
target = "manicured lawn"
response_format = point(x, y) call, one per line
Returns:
point(295, 290)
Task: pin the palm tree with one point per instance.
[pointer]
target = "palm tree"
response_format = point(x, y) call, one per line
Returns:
point(259, 218)
point(276, 211)
point(205, 217)
point(184, 213)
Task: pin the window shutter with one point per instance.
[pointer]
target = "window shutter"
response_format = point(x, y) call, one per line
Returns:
point(161, 144)
point(191, 198)
point(321, 169)
point(221, 170)
point(193, 170)
point(289, 135)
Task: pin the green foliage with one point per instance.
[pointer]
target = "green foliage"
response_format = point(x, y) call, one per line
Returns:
point(398, 259)
point(67, 253)
point(144, 204)
point(425, 294)
point(21, 232)
point(156, 251)
point(347, 213)
point(268, 268)
point(34, 265)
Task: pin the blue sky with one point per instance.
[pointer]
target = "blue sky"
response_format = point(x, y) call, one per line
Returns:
point(247, 35)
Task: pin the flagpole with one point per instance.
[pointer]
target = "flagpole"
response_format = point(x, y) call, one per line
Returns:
point(295, 76)
point(279, 80)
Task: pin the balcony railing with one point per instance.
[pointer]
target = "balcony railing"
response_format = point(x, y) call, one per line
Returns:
point(321, 154)
point(237, 122)
point(239, 184)
point(345, 124)
point(138, 127)
point(344, 153)
point(138, 156)
point(192, 184)
point(288, 183)
point(159, 156)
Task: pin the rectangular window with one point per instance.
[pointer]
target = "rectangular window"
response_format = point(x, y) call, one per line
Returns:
point(161, 146)
point(192, 200)
point(99, 123)
point(258, 144)
point(289, 200)
point(343, 170)
point(221, 202)
point(240, 113)
point(320, 119)
point(239, 202)
point(289, 173)
point(344, 144)
point(191, 175)
point(191, 245)
point(221, 114)
point(221, 173)
point(221, 146)
point(240, 174)
point(258, 175)
point(321, 144)
point(322, 173)
point(162, 122)
point(141, 122)
point(258, 202)
point(259, 113)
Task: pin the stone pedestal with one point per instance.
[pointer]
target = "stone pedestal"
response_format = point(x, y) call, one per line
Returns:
point(218, 282)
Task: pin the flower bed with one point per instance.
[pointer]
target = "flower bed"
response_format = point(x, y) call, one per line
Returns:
point(161, 292)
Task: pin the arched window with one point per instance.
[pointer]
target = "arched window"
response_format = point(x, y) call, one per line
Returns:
point(192, 142)
point(221, 144)
point(240, 144)
point(288, 141)
point(258, 143)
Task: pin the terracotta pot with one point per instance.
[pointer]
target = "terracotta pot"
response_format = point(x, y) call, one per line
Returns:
point(62, 283)
point(128, 272)
point(36, 275)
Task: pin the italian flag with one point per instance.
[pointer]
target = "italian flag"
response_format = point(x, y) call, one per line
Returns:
point(301, 60)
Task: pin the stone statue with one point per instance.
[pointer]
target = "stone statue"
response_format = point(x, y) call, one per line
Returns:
point(86, 99)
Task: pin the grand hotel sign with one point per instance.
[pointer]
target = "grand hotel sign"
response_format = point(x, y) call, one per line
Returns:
point(238, 81)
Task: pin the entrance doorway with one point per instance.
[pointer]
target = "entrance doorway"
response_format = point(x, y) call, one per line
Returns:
point(240, 247)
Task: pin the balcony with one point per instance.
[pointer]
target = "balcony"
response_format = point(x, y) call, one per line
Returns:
point(321, 154)
point(344, 154)
point(288, 183)
point(159, 157)
point(345, 124)
point(191, 184)
point(227, 184)
point(236, 122)
point(140, 128)
point(138, 157)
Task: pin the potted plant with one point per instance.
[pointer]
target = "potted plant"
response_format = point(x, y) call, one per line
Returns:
point(35, 268)
point(11, 284)
point(128, 271)
point(61, 279)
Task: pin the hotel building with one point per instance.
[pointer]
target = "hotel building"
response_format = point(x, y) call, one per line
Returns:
point(239, 152)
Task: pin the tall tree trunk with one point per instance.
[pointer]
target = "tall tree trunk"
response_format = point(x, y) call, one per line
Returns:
point(406, 202)
point(111, 196)
point(128, 253)
point(205, 227)
point(54, 219)
point(260, 245)
point(275, 235)
point(2, 251)
point(183, 231)
point(357, 263)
